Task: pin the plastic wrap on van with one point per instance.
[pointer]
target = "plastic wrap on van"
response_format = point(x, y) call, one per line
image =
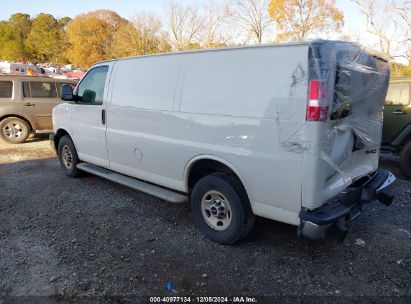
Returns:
point(355, 87)
point(352, 87)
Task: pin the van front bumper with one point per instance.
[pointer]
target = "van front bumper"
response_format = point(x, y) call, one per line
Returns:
point(330, 220)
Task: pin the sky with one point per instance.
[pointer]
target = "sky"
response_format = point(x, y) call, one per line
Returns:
point(127, 8)
point(354, 21)
point(60, 8)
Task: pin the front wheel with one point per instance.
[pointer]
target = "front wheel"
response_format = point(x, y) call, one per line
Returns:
point(14, 130)
point(68, 158)
point(221, 209)
point(405, 160)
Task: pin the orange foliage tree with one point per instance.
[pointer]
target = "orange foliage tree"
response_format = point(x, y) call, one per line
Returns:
point(297, 19)
point(91, 37)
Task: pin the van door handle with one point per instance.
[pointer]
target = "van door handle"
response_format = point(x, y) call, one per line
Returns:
point(103, 117)
point(399, 112)
point(30, 104)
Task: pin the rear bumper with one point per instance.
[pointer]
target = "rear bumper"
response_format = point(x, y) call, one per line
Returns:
point(330, 219)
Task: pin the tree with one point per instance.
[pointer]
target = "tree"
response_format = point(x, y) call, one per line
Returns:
point(22, 23)
point(165, 45)
point(185, 25)
point(63, 22)
point(215, 25)
point(126, 41)
point(11, 48)
point(12, 37)
point(388, 23)
point(404, 11)
point(298, 19)
point(150, 29)
point(143, 35)
point(91, 36)
point(399, 70)
point(253, 17)
point(46, 39)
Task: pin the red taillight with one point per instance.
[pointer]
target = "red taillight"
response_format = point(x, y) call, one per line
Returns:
point(316, 93)
point(314, 90)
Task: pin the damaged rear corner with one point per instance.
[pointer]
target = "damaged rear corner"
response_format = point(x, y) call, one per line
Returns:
point(330, 221)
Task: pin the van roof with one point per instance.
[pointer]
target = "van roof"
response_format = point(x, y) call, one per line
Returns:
point(282, 44)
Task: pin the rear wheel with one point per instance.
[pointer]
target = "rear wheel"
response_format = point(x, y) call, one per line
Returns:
point(221, 209)
point(14, 130)
point(405, 160)
point(68, 158)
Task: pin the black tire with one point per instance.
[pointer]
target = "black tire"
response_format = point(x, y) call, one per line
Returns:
point(405, 160)
point(241, 216)
point(68, 157)
point(14, 130)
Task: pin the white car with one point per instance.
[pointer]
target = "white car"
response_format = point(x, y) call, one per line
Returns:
point(289, 132)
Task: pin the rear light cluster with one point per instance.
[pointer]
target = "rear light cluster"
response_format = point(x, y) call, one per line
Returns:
point(316, 111)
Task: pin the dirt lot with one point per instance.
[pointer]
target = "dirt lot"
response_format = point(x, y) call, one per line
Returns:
point(91, 239)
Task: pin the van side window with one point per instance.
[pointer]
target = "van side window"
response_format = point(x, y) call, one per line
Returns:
point(37, 89)
point(6, 89)
point(91, 87)
point(394, 94)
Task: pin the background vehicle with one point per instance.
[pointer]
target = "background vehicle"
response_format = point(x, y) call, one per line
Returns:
point(290, 132)
point(396, 136)
point(14, 68)
point(26, 104)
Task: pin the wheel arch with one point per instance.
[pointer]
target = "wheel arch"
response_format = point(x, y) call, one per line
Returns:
point(32, 129)
point(202, 165)
point(58, 135)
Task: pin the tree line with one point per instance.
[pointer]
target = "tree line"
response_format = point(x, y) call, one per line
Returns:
point(40, 39)
point(103, 34)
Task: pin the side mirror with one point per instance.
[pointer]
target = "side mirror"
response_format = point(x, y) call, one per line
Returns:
point(66, 92)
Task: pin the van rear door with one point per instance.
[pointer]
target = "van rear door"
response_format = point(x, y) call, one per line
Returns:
point(350, 86)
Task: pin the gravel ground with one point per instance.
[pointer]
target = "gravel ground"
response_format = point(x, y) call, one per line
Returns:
point(92, 239)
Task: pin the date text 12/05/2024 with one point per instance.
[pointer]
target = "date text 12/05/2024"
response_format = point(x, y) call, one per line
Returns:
point(199, 299)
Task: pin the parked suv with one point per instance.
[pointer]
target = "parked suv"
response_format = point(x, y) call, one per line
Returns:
point(396, 136)
point(26, 103)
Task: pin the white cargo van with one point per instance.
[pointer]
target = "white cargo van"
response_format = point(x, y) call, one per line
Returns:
point(289, 132)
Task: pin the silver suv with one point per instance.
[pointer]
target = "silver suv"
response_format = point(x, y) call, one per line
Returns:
point(26, 103)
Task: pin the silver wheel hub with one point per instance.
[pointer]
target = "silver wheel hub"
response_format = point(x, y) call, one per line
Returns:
point(67, 157)
point(13, 130)
point(216, 210)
